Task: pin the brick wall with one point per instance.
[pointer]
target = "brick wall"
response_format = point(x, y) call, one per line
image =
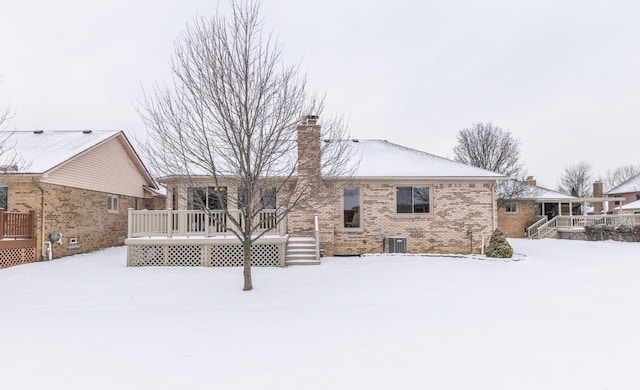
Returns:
point(456, 207)
point(513, 225)
point(73, 212)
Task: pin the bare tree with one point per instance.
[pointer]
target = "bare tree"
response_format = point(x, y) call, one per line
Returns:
point(577, 179)
point(231, 115)
point(490, 147)
point(620, 175)
point(9, 160)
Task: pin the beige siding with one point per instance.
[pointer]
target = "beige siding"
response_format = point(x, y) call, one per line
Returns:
point(106, 168)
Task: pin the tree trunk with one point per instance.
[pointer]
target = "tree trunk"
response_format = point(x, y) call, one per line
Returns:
point(246, 246)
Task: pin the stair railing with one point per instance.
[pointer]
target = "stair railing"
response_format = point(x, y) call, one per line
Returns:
point(316, 232)
point(534, 229)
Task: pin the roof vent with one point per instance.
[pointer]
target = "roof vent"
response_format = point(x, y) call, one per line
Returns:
point(38, 131)
point(86, 131)
point(355, 140)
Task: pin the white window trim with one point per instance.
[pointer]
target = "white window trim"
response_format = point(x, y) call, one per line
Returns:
point(113, 200)
point(511, 212)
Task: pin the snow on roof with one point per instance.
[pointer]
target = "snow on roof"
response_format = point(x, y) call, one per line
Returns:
point(379, 158)
point(545, 193)
point(631, 206)
point(531, 192)
point(43, 150)
point(631, 185)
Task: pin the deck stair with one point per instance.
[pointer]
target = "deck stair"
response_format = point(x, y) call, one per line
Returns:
point(301, 251)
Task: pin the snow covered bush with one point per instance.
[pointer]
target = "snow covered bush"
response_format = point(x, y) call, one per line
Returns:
point(499, 246)
point(623, 232)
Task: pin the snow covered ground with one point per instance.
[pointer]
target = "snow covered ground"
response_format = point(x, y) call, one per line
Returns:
point(566, 316)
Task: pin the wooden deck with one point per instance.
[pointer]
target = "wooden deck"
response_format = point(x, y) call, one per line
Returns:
point(17, 238)
point(206, 238)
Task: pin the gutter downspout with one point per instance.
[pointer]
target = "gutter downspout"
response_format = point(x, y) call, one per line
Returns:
point(493, 207)
point(42, 256)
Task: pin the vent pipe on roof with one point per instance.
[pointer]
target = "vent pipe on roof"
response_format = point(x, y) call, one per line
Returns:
point(38, 131)
point(86, 131)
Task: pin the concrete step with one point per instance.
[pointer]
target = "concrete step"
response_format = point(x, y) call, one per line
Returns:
point(303, 262)
point(301, 251)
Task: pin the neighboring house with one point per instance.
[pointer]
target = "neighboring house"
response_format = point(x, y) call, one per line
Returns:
point(631, 208)
point(629, 190)
point(80, 185)
point(532, 204)
point(400, 199)
point(542, 213)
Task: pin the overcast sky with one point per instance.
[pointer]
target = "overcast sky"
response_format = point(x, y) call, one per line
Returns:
point(563, 76)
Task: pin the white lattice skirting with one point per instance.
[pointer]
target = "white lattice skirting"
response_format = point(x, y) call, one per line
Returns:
point(203, 252)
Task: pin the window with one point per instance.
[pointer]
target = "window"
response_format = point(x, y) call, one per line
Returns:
point(637, 196)
point(412, 200)
point(74, 242)
point(112, 203)
point(351, 207)
point(212, 198)
point(174, 198)
point(268, 198)
point(511, 208)
point(4, 197)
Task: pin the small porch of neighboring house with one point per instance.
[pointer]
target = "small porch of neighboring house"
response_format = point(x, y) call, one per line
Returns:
point(17, 238)
point(204, 238)
point(558, 221)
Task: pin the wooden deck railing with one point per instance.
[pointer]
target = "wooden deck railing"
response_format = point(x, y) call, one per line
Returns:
point(173, 223)
point(17, 225)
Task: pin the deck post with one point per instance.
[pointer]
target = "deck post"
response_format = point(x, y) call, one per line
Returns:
point(129, 222)
point(2, 217)
point(169, 222)
point(32, 224)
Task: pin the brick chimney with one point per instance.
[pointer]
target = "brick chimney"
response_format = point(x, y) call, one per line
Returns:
point(598, 192)
point(309, 148)
point(531, 181)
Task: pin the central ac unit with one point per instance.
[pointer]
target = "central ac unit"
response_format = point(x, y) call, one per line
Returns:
point(397, 244)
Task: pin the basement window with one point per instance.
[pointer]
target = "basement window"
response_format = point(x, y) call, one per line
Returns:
point(74, 242)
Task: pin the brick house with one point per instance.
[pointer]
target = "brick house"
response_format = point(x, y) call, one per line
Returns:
point(629, 190)
point(80, 184)
point(531, 204)
point(398, 199)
